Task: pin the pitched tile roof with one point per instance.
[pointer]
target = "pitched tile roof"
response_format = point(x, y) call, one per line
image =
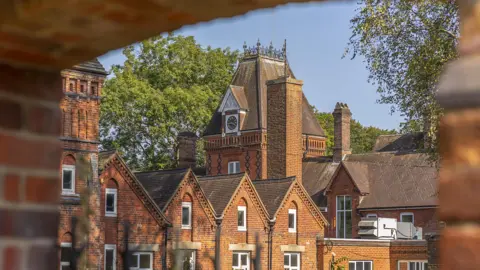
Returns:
point(252, 74)
point(93, 66)
point(273, 192)
point(316, 174)
point(359, 172)
point(162, 185)
point(220, 189)
point(239, 94)
point(395, 179)
point(399, 142)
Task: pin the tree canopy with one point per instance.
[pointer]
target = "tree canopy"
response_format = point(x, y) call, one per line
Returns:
point(362, 139)
point(167, 84)
point(406, 45)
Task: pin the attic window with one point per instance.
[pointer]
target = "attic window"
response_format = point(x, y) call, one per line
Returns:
point(242, 218)
point(292, 220)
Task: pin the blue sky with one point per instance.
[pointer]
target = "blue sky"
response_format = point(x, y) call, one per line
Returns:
point(317, 35)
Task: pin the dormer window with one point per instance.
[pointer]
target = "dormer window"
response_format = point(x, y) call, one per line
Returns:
point(231, 123)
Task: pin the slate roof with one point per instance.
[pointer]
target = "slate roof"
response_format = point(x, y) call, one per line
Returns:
point(316, 174)
point(399, 142)
point(239, 95)
point(219, 189)
point(93, 66)
point(394, 179)
point(161, 185)
point(272, 192)
point(250, 78)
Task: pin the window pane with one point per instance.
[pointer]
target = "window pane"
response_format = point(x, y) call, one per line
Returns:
point(351, 266)
point(66, 254)
point(348, 224)
point(286, 259)
point(230, 168)
point(188, 260)
point(185, 216)
point(359, 266)
point(367, 266)
point(241, 215)
point(341, 225)
point(348, 203)
point(235, 259)
point(291, 221)
point(109, 259)
point(340, 203)
point(243, 259)
point(134, 260)
point(110, 202)
point(407, 218)
point(237, 167)
point(412, 266)
point(294, 258)
point(67, 179)
point(145, 261)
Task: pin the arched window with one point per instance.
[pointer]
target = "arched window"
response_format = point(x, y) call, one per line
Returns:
point(292, 218)
point(111, 199)
point(68, 175)
point(187, 212)
point(242, 215)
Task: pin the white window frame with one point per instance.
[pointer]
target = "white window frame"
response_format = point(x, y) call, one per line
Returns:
point(290, 254)
point(233, 166)
point(239, 266)
point(114, 192)
point(194, 255)
point(114, 248)
point(138, 260)
point(189, 206)
point(244, 227)
point(407, 214)
point(343, 212)
point(372, 216)
point(422, 265)
point(294, 212)
point(355, 262)
point(64, 244)
point(70, 168)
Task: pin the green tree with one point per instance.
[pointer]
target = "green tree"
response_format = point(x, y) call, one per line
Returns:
point(406, 45)
point(362, 138)
point(167, 85)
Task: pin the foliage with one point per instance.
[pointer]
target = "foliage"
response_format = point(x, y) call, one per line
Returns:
point(362, 138)
point(337, 264)
point(169, 85)
point(406, 45)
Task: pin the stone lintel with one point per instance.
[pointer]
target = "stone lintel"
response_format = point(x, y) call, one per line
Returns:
point(292, 248)
point(144, 247)
point(241, 247)
point(187, 245)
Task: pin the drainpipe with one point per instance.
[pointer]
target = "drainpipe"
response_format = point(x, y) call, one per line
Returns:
point(271, 224)
point(218, 233)
point(165, 245)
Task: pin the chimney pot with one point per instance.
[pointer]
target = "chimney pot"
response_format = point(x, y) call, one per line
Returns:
point(341, 129)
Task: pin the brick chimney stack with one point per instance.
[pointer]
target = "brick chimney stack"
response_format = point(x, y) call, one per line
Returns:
point(341, 131)
point(187, 149)
point(284, 127)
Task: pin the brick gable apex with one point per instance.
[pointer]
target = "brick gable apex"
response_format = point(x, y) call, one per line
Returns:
point(307, 200)
point(191, 179)
point(334, 177)
point(119, 164)
point(247, 184)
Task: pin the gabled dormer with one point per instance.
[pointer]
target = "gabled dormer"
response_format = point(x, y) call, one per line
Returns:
point(233, 110)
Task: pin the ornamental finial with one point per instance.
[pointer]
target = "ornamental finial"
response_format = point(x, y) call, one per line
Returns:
point(244, 46)
point(258, 43)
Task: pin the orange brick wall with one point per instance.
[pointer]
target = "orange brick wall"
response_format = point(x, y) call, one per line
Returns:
point(203, 224)
point(256, 223)
point(307, 231)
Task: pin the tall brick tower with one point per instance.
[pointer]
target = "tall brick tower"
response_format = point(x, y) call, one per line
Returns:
point(341, 129)
point(236, 137)
point(80, 108)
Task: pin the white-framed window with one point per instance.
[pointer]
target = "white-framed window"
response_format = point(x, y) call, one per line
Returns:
point(291, 261)
point(65, 255)
point(141, 261)
point(188, 259)
point(110, 257)
point(233, 167)
point(372, 216)
point(292, 220)
point(242, 218)
point(413, 265)
point(111, 202)
point(186, 215)
point(68, 179)
point(360, 265)
point(344, 217)
point(241, 261)
point(406, 217)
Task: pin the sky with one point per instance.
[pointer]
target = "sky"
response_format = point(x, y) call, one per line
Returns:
point(317, 35)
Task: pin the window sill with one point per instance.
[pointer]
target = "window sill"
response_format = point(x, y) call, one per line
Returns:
point(292, 231)
point(242, 229)
point(71, 198)
point(111, 214)
point(186, 227)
